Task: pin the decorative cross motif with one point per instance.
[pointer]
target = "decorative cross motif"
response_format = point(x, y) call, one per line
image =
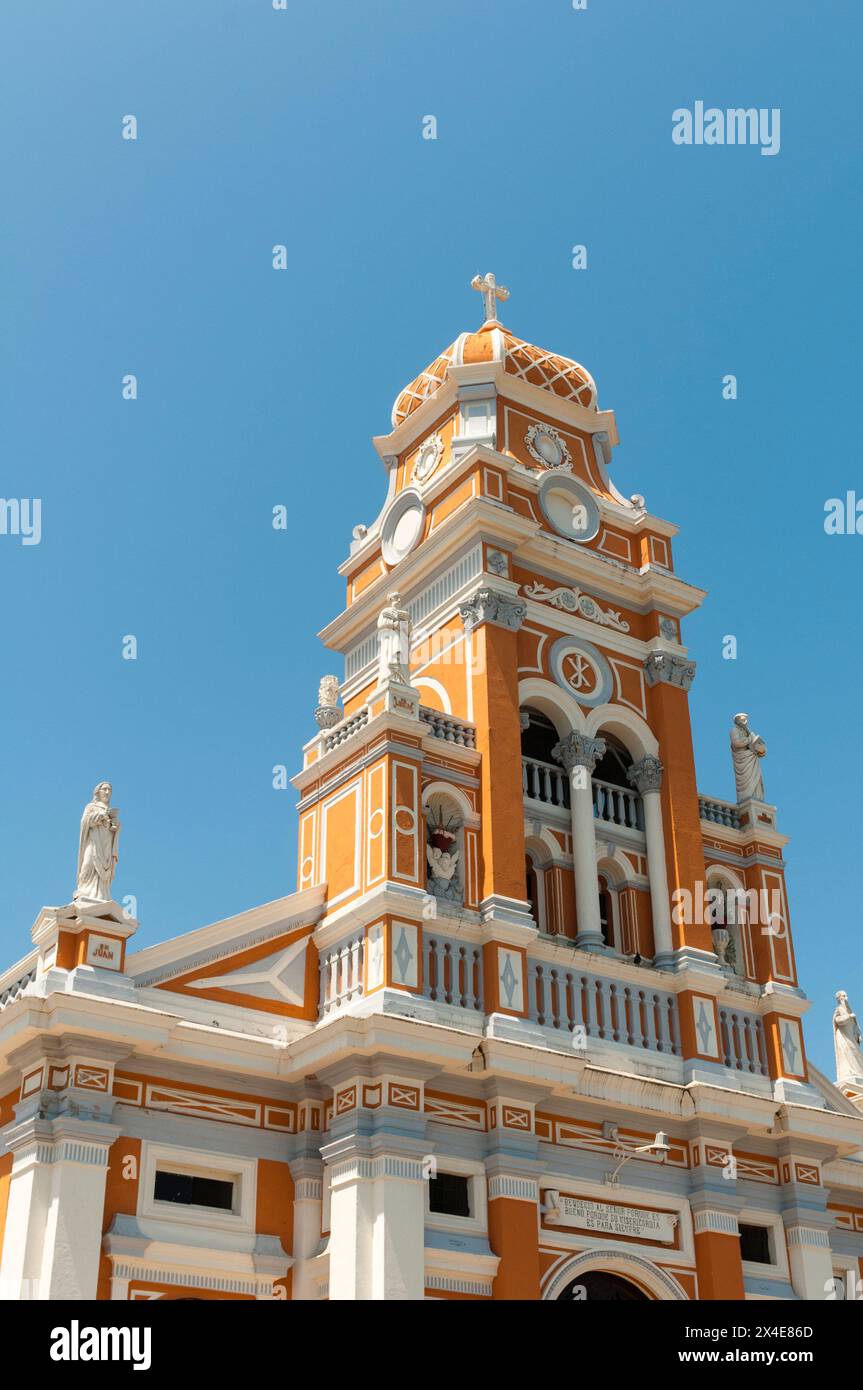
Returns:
point(578, 672)
point(490, 291)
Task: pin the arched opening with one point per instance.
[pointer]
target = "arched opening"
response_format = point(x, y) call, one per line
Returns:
point(606, 911)
point(543, 778)
point(444, 848)
point(726, 915)
point(598, 1285)
point(532, 890)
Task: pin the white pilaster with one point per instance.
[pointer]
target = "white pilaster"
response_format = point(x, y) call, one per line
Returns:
point(377, 1226)
point(308, 1194)
point(56, 1203)
point(810, 1260)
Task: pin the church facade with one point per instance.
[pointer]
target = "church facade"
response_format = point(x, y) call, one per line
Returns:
point(530, 1026)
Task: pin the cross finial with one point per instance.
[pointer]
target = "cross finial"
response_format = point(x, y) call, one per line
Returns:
point(490, 291)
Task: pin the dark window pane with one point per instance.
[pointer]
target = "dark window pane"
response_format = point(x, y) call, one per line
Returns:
point(449, 1193)
point(755, 1244)
point(189, 1191)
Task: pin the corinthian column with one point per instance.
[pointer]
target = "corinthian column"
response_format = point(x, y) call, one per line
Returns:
point(579, 755)
point(646, 777)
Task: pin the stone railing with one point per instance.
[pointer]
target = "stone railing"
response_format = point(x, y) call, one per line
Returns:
point(718, 812)
point(544, 782)
point(742, 1038)
point(453, 972)
point(451, 730)
point(610, 1010)
point(15, 988)
point(614, 805)
point(341, 973)
point(617, 805)
point(348, 727)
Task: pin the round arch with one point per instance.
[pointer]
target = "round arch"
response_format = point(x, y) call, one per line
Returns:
point(543, 846)
point(634, 732)
point(551, 700)
point(437, 689)
point(655, 1282)
point(452, 793)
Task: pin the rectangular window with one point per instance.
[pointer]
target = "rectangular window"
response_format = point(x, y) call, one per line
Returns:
point(755, 1245)
point(449, 1194)
point(190, 1190)
point(476, 418)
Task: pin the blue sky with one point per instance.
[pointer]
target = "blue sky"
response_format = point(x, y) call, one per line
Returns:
point(256, 388)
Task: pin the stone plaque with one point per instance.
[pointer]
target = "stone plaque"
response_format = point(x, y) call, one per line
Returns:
point(632, 1222)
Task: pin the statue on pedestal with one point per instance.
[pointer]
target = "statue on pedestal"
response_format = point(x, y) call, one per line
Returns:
point(97, 848)
point(394, 642)
point(747, 748)
point(846, 1041)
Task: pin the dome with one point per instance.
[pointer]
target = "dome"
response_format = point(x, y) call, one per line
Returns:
point(494, 343)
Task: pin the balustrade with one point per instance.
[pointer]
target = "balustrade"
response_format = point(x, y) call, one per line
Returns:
point(613, 1011)
point(743, 1046)
point(453, 972)
point(341, 971)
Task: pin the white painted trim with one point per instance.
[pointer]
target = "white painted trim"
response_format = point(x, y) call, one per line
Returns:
point(243, 1172)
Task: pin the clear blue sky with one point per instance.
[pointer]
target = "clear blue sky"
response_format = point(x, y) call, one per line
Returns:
point(257, 388)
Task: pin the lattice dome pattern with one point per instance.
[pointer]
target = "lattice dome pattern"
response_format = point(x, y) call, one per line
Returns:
point(493, 343)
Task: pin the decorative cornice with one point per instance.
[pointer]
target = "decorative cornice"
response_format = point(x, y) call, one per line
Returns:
point(488, 606)
point(664, 667)
point(578, 750)
point(646, 775)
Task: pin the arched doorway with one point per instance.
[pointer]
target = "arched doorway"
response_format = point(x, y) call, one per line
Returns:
point(598, 1285)
point(641, 1278)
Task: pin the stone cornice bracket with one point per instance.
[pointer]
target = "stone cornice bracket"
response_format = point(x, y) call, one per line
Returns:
point(663, 667)
point(578, 750)
point(646, 775)
point(488, 606)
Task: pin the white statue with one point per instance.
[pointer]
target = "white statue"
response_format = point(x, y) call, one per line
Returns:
point(97, 848)
point(846, 1041)
point(442, 863)
point(394, 642)
point(747, 749)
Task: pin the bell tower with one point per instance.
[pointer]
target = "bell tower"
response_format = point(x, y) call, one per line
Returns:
point(501, 805)
point(525, 765)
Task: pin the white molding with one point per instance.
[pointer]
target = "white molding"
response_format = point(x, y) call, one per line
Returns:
point(243, 1172)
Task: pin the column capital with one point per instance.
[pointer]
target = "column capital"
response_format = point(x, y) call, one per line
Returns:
point(489, 606)
point(65, 1138)
point(646, 775)
point(663, 667)
point(715, 1221)
point(578, 750)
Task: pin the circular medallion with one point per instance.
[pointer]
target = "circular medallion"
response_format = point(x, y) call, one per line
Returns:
point(569, 507)
point(581, 669)
point(546, 446)
point(402, 527)
point(427, 458)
